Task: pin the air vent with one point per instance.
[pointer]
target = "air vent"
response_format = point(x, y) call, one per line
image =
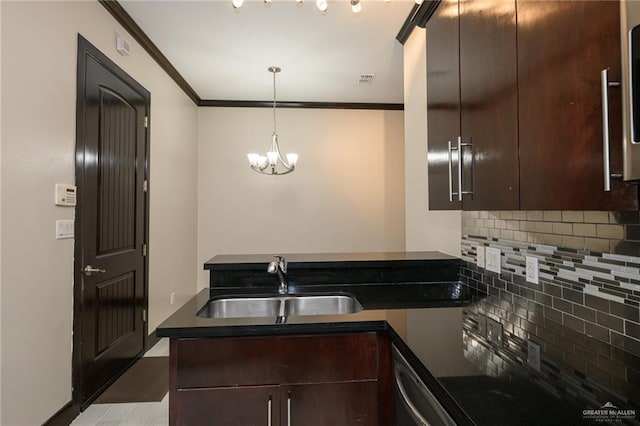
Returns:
point(365, 78)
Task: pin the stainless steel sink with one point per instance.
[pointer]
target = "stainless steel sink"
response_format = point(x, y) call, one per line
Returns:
point(280, 306)
point(323, 305)
point(241, 307)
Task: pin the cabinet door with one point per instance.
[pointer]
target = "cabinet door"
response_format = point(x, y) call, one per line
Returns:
point(562, 48)
point(489, 104)
point(330, 404)
point(232, 406)
point(443, 105)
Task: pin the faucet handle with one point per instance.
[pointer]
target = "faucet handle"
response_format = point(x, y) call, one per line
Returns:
point(282, 262)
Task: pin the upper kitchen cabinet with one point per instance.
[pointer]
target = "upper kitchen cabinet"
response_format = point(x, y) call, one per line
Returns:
point(472, 105)
point(443, 106)
point(489, 104)
point(533, 105)
point(563, 46)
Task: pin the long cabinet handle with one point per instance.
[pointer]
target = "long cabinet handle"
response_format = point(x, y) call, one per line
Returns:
point(606, 143)
point(459, 168)
point(289, 409)
point(269, 411)
point(450, 174)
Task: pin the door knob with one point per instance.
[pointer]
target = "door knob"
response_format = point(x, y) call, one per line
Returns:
point(88, 270)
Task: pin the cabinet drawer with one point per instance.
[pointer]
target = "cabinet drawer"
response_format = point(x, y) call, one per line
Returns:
point(215, 362)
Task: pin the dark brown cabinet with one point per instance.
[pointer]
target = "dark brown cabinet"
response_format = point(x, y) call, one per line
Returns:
point(529, 103)
point(443, 106)
point(337, 379)
point(562, 48)
point(472, 105)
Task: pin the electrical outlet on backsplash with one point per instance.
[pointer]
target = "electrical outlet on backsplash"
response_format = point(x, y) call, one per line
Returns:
point(584, 313)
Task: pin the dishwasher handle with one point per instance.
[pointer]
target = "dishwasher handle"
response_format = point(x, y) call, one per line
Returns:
point(415, 413)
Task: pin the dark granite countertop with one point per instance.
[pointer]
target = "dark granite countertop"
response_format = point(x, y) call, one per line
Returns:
point(324, 260)
point(398, 307)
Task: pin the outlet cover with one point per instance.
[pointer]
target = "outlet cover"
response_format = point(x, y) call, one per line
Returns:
point(480, 256)
point(493, 259)
point(532, 270)
point(482, 326)
point(494, 332)
point(533, 355)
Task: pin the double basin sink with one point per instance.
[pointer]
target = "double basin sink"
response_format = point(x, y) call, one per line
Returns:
point(280, 306)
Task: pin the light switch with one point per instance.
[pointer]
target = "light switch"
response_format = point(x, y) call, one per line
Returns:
point(64, 229)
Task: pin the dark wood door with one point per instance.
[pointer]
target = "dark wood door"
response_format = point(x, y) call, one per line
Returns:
point(489, 114)
point(111, 222)
point(330, 404)
point(443, 106)
point(230, 406)
point(562, 48)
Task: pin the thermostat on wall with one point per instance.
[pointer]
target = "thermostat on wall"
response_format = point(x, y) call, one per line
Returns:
point(65, 195)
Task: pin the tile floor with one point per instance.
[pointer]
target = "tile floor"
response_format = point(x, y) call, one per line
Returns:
point(133, 414)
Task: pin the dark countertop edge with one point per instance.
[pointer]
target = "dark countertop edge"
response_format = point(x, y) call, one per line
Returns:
point(318, 260)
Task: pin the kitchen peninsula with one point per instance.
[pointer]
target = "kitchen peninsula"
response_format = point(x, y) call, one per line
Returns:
point(365, 367)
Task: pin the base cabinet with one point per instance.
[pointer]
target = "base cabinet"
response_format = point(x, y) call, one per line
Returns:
point(332, 380)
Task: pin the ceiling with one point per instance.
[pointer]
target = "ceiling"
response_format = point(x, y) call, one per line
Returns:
point(224, 53)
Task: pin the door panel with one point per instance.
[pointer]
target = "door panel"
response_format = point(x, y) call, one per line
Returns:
point(111, 224)
point(233, 406)
point(561, 105)
point(443, 105)
point(351, 403)
point(489, 102)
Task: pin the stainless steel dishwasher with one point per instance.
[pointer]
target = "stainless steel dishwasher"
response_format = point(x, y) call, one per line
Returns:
point(414, 403)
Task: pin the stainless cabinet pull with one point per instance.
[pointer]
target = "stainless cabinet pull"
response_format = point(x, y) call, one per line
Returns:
point(606, 161)
point(269, 411)
point(473, 168)
point(459, 168)
point(289, 409)
point(88, 270)
point(450, 174)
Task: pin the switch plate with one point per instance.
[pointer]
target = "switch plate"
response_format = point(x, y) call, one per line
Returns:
point(492, 259)
point(480, 256)
point(532, 270)
point(64, 229)
point(494, 332)
point(533, 355)
point(172, 297)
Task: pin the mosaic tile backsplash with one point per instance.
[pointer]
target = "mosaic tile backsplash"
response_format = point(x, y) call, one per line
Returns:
point(584, 313)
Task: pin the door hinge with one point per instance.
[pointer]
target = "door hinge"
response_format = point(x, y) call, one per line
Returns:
point(145, 185)
point(144, 315)
point(146, 121)
point(144, 250)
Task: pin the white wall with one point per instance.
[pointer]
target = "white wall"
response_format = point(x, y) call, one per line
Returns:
point(346, 195)
point(425, 230)
point(38, 142)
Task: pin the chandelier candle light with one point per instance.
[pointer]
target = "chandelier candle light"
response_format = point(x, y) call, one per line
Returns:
point(273, 161)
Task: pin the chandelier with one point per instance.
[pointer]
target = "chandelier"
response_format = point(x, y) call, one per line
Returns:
point(273, 163)
point(322, 5)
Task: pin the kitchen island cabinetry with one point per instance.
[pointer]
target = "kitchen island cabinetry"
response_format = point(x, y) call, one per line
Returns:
point(335, 379)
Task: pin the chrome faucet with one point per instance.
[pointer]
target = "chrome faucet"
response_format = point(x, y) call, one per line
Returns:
point(279, 267)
